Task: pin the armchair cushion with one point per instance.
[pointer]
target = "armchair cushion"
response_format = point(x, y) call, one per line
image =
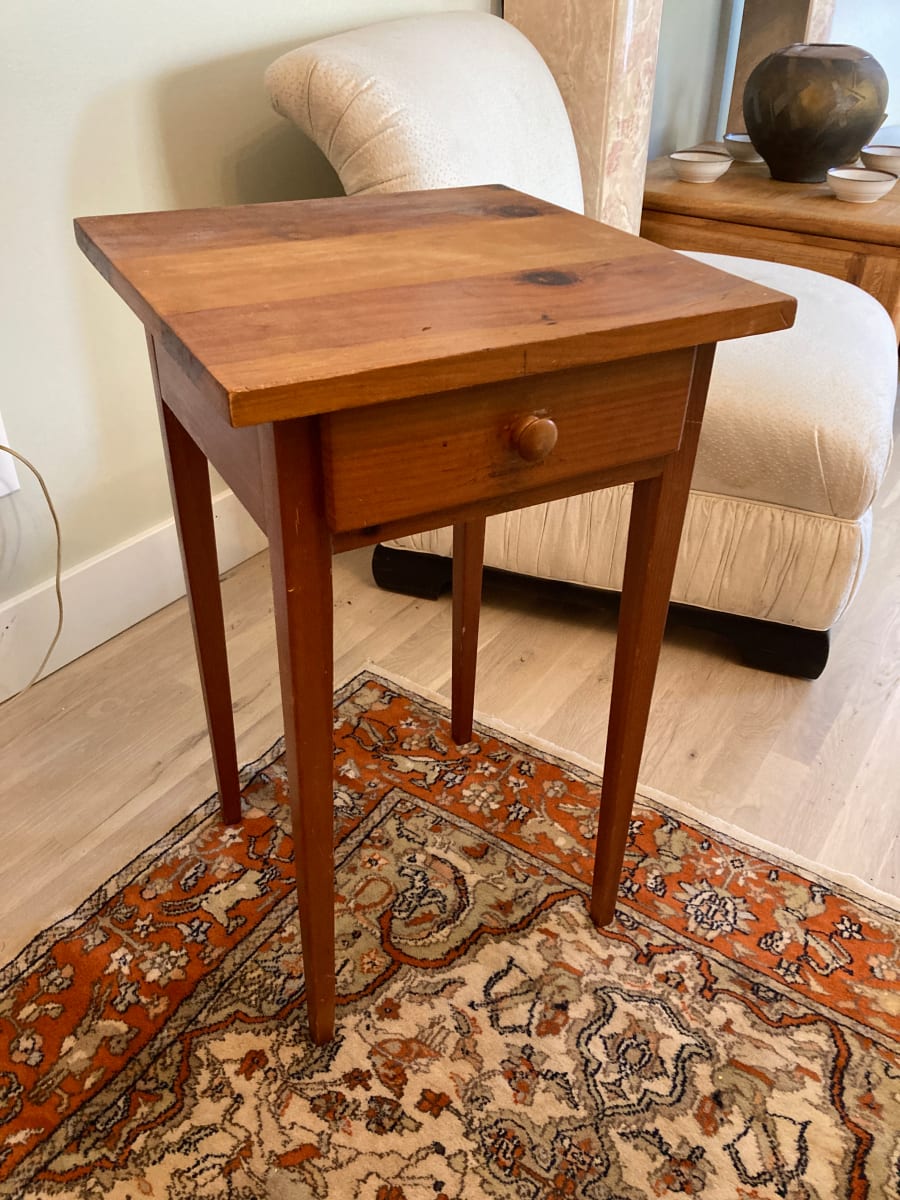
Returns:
point(802, 417)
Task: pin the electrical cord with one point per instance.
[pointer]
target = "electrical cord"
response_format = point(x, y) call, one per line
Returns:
point(59, 600)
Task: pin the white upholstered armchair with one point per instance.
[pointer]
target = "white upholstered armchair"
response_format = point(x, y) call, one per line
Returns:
point(798, 427)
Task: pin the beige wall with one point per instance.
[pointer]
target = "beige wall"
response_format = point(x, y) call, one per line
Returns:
point(120, 105)
point(693, 45)
point(875, 26)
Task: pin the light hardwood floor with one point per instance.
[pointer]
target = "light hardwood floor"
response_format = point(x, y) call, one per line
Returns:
point(108, 753)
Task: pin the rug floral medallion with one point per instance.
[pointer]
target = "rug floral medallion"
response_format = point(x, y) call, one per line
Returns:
point(733, 1034)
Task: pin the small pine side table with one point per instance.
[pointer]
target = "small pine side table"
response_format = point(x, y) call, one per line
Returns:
point(747, 213)
point(368, 367)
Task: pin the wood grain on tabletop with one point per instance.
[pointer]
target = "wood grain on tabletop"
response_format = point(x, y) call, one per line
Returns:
point(747, 195)
point(281, 310)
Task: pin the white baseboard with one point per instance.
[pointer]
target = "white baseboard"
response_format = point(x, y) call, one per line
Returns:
point(111, 592)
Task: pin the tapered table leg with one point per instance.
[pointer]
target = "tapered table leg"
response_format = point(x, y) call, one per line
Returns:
point(192, 501)
point(657, 514)
point(300, 551)
point(468, 566)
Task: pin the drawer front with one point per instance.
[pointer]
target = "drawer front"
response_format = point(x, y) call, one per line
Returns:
point(412, 457)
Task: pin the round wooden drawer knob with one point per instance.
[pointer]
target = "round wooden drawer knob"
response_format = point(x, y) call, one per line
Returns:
point(534, 437)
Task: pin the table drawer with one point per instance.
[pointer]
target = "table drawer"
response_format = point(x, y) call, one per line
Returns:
point(392, 461)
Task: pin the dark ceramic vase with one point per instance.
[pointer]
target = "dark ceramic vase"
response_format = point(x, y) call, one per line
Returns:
point(809, 107)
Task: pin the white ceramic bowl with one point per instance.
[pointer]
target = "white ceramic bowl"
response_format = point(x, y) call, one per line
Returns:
point(882, 158)
point(699, 166)
point(740, 147)
point(860, 185)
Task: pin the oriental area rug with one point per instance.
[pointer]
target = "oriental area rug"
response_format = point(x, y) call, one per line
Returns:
point(734, 1034)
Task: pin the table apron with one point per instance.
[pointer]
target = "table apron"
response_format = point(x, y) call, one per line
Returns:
point(233, 452)
point(368, 535)
point(442, 452)
point(638, 416)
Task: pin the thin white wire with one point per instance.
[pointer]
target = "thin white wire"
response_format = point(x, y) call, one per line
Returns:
point(59, 600)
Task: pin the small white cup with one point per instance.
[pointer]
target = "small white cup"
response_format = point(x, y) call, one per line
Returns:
point(740, 147)
point(699, 166)
point(881, 158)
point(860, 185)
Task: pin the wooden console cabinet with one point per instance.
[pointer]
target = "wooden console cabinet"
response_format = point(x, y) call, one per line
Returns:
point(748, 213)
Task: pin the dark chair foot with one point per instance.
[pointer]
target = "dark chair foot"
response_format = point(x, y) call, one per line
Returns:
point(785, 649)
point(411, 572)
point(781, 649)
point(766, 645)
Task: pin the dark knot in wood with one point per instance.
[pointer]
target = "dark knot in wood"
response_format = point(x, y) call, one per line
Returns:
point(518, 210)
point(549, 278)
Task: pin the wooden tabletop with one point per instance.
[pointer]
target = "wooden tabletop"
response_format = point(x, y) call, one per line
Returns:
point(283, 310)
point(747, 195)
